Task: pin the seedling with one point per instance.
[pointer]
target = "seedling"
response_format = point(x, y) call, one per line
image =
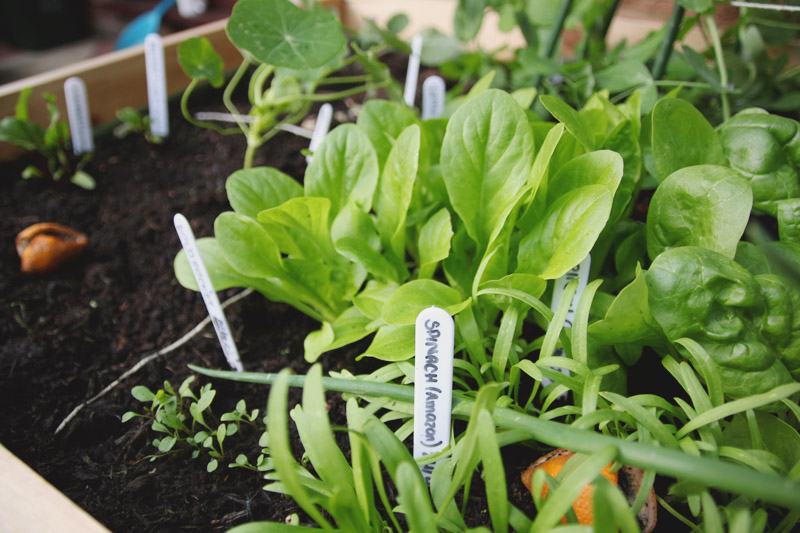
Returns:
point(132, 121)
point(51, 142)
point(287, 78)
point(186, 421)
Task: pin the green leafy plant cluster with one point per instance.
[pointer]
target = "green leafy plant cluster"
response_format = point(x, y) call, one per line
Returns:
point(291, 55)
point(52, 143)
point(741, 67)
point(184, 420)
point(478, 212)
point(132, 121)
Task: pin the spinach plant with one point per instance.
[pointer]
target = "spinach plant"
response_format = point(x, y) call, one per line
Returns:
point(51, 142)
point(294, 53)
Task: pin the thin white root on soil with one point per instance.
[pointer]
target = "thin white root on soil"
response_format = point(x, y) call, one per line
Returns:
point(163, 351)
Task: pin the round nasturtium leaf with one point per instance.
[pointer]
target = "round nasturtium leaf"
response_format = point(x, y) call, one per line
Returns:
point(278, 33)
point(200, 61)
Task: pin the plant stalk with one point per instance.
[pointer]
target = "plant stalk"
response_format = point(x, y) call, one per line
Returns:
point(713, 31)
point(549, 46)
point(662, 58)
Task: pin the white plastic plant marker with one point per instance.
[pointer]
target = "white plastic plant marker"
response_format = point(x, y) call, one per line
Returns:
point(581, 273)
point(186, 235)
point(321, 128)
point(432, 97)
point(433, 383)
point(412, 76)
point(192, 8)
point(156, 85)
point(80, 123)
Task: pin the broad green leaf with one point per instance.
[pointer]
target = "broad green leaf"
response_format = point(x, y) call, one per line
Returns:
point(434, 242)
point(571, 119)
point(764, 149)
point(486, 157)
point(83, 180)
point(26, 135)
point(624, 140)
point(529, 284)
point(348, 328)
point(253, 190)
point(300, 228)
point(703, 205)
point(278, 33)
point(603, 167)
point(392, 343)
point(468, 19)
point(566, 232)
point(246, 246)
point(624, 75)
point(371, 300)
point(384, 121)
point(682, 137)
point(355, 236)
point(438, 47)
point(142, 393)
point(222, 274)
point(200, 61)
point(409, 299)
point(777, 436)
point(789, 220)
point(395, 188)
point(525, 96)
point(344, 169)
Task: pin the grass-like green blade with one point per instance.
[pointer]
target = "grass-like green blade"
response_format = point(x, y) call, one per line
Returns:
point(738, 406)
point(414, 498)
point(493, 471)
point(675, 463)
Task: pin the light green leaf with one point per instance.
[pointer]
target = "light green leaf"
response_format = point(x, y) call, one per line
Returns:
point(384, 121)
point(434, 242)
point(603, 167)
point(468, 19)
point(278, 33)
point(409, 299)
point(344, 169)
point(682, 137)
point(371, 300)
point(566, 233)
point(200, 61)
point(253, 190)
point(704, 205)
point(571, 120)
point(348, 328)
point(486, 157)
point(624, 75)
point(392, 343)
point(395, 189)
point(355, 237)
point(246, 246)
point(300, 228)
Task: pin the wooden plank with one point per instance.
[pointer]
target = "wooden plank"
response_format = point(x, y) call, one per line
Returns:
point(28, 503)
point(113, 80)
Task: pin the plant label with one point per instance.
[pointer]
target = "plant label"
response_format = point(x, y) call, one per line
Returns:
point(432, 97)
point(433, 383)
point(186, 235)
point(412, 75)
point(192, 8)
point(80, 123)
point(581, 273)
point(320, 129)
point(156, 85)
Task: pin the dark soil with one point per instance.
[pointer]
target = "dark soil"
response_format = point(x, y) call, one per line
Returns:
point(67, 335)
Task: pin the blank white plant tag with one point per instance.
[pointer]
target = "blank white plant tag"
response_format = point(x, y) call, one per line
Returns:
point(186, 235)
point(156, 85)
point(433, 91)
point(80, 123)
point(321, 128)
point(191, 8)
point(581, 273)
point(433, 383)
point(412, 76)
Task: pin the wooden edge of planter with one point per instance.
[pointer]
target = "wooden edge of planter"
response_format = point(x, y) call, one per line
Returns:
point(28, 503)
point(113, 80)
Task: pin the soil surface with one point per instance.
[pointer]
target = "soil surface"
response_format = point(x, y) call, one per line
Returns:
point(69, 334)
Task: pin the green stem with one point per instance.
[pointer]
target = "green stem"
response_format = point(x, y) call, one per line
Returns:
point(188, 116)
point(704, 471)
point(345, 79)
point(527, 28)
point(723, 70)
point(549, 46)
point(662, 58)
point(327, 97)
point(228, 93)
